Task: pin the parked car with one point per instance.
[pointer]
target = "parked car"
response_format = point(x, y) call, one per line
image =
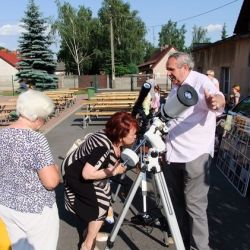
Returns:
point(242, 108)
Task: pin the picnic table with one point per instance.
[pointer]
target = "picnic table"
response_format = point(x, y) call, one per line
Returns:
point(7, 106)
point(62, 98)
point(104, 106)
point(107, 102)
point(118, 93)
point(5, 110)
point(113, 97)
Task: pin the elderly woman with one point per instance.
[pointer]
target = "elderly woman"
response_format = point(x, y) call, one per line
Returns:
point(88, 168)
point(28, 175)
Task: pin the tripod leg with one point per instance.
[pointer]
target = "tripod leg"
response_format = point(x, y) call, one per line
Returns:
point(168, 209)
point(156, 193)
point(118, 188)
point(122, 215)
point(144, 192)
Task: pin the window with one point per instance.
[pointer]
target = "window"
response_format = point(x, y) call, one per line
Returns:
point(225, 80)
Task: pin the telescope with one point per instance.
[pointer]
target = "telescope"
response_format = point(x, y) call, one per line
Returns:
point(185, 97)
point(176, 104)
point(173, 107)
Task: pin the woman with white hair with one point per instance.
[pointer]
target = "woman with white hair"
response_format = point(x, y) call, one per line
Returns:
point(28, 177)
point(210, 74)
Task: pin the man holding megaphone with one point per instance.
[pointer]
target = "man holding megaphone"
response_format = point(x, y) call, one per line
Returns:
point(190, 147)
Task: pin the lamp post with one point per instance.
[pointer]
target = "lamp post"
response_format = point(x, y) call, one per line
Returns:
point(112, 52)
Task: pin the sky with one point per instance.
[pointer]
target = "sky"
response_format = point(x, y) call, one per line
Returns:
point(210, 14)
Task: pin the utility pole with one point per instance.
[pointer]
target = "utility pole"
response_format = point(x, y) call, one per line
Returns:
point(112, 52)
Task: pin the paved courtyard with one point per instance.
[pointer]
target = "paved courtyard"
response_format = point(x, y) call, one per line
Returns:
point(228, 212)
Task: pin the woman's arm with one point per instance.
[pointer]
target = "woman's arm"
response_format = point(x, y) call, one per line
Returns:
point(89, 172)
point(49, 176)
point(236, 99)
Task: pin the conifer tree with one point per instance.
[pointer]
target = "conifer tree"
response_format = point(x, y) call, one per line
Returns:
point(224, 32)
point(36, 65)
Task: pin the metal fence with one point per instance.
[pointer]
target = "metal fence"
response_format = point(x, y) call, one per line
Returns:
point(234, 154)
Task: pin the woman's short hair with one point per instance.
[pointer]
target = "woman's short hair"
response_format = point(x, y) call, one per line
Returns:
point(236, 87)
point(34, 104)
point(119, 125)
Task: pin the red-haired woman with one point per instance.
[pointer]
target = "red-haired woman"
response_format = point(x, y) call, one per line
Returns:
point(88, 168)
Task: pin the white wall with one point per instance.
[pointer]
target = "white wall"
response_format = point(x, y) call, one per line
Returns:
point(7, 75)
point(160, 71)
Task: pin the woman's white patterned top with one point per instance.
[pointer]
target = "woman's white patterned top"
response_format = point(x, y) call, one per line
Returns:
point(22, 153)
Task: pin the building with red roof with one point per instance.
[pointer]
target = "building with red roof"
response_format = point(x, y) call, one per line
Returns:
point(156, 65)
point(8, 68)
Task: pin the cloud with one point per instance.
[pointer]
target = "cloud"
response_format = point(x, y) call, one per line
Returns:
point(11, 29)
point(214, 27)
point(2, 44)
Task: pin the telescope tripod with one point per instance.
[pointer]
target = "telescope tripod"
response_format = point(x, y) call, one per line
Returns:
point(144, 218)
point(151, 163)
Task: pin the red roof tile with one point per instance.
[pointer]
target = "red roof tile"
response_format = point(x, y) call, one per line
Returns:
point(9, 57)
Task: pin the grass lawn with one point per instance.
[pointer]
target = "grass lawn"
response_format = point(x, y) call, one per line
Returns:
point(8, 93)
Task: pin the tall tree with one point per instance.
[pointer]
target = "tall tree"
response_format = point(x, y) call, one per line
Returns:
point(199, 35)
point(170, 34)
point(36, 65)
point(224, 32)
point(149, 50)
point(128, 32)
point(75, 28)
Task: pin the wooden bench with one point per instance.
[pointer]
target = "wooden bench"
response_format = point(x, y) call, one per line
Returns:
point(113, 97)
point(61, 99)
point(69, 95)
point(108, 102)
point(108, 105)
point(7, 107)
point(99, 106)
point(86, 115)
point(121, 107)
point(5, 119)
point(118, 94)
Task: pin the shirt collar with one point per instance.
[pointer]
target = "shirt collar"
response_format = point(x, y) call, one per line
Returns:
point(190, 79)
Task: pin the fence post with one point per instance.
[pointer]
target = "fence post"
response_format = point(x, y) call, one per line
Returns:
point(96, 82)
point(132, 83)
point(12, 82)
